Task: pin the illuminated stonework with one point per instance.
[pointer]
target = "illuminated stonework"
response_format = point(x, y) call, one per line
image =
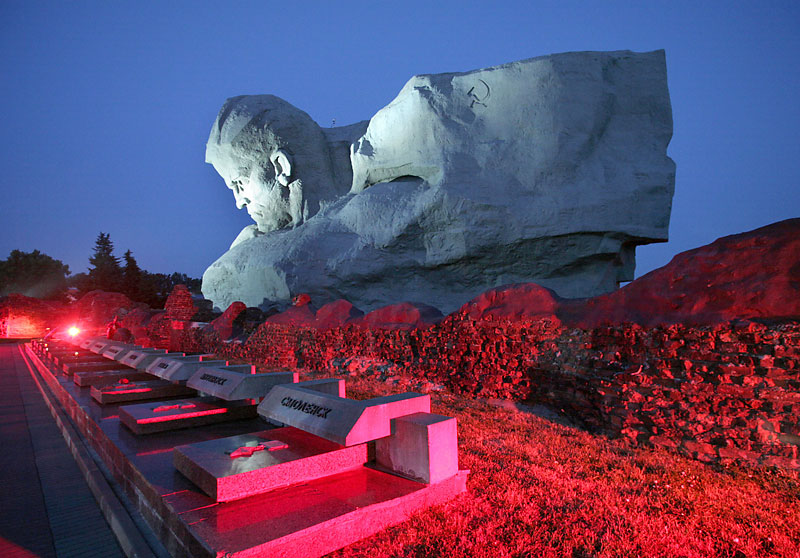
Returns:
point(550, 170)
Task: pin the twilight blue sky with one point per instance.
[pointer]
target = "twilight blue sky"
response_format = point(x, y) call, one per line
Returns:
point(106, 106)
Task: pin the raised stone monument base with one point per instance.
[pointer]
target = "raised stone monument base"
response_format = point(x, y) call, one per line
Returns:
point(74, 362)
point(69, 356)
point(108, 376)
point(240, 466)
point(148, 418)
point(138, 391)
point(71, 369)
point(306, 520)
point(318, 517)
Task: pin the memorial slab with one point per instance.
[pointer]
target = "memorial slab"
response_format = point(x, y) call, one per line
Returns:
point(318, 517)
point(126, 391)
point(72, 368)
point(80, 353)
point(148, 418)
point(141, 358)
point(76, 356)
point(61, 348)
point(57, 357)
point(232, 383)
point(180, 369)
point(304, 520)
point(344, 421)
point(118, 350)
point(239, 466)
point(51, 351)
point(106, 376)
point(99, 345)
point(88, 342)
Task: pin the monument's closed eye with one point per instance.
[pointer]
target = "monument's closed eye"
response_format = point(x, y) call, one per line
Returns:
point(545, 170)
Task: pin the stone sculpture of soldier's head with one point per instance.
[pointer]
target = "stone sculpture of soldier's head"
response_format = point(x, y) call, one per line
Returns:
point(273, 157)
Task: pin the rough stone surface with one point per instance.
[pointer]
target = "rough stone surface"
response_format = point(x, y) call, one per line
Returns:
point(549, 170)
point(224, 324)
point(755, 274)
point(723, 386)
point(405, 315)
point(179, 304)
point(22, 316)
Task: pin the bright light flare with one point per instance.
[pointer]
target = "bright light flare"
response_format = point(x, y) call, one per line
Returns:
point(73, 331)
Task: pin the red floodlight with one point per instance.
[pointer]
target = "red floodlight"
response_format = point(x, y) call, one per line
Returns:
point(73, 331)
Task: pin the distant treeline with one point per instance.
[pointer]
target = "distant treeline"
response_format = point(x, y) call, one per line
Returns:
point(38, 275)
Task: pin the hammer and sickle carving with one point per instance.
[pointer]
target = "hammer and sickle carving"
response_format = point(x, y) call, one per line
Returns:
point(479, 93)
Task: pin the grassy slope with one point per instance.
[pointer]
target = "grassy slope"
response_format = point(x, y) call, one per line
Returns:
point(542, 489)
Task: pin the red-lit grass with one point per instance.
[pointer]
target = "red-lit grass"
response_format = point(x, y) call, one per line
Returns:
point(537, 488)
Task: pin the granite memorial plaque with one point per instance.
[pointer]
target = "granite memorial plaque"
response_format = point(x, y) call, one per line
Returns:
point(344, 421)
point(100, 345)
point(232, 383)
point(106, 376)
point(71, 368)
point(88, 342)
point(125, 391)
point(180, 369)
point(148, 418)
point(239, 466)
point(141, 358)
point(118, 350)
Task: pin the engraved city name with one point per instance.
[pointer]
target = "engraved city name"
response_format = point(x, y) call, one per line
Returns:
point(213, 379)
point(163, 365)
point(306, 407)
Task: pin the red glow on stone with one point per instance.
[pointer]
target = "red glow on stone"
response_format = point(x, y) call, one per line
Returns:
point(247, 451)
point(182, 416)
point(163, 408)
point(137, 390)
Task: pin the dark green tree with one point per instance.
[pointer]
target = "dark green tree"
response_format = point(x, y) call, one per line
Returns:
point(33, 274)
point(138, 284)
point(182, 279)
point(131, 277)
point(105, 273)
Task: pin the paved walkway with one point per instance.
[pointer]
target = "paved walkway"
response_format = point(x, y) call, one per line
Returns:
point(46, 507)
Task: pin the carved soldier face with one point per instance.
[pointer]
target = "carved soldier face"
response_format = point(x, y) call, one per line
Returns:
point(273, 157)
point(259, 184)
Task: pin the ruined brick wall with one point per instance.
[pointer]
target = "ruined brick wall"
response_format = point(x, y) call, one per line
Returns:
point(714, 393)
point(22, 316)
